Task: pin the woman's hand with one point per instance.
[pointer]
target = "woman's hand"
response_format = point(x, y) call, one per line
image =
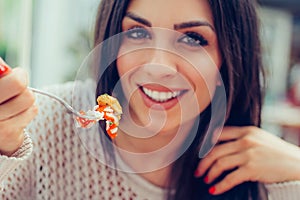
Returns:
point(254, 154)
point(16, 108)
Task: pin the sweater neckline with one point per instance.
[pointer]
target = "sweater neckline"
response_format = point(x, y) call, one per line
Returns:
point(136, 180)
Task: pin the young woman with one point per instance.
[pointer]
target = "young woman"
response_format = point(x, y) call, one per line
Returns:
point(165, 70)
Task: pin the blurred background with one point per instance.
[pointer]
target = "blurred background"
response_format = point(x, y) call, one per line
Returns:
point(50, 38)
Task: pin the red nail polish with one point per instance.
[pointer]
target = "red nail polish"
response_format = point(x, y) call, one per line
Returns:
point(205, 179)
point(212, 190)
point(4, 69)
point(196, 173)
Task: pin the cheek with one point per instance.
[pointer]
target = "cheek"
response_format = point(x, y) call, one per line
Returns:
point(127, 65)
point(204, 93)
point(123, 65)
point(127, 62)
point(203, 78)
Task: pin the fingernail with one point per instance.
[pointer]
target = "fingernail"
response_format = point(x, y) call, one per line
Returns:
point(205, 179)
point(212, 190)
point(196, 173)
point(4, 69)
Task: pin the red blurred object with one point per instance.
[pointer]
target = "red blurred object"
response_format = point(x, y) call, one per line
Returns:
point(84, 123)
point(4, 69)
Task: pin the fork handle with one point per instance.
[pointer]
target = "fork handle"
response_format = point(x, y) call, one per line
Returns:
point(65, 104)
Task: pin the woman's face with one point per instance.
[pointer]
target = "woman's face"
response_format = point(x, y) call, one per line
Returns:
point(168, 61)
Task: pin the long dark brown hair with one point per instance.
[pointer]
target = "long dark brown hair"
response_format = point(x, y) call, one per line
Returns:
point(237, 31)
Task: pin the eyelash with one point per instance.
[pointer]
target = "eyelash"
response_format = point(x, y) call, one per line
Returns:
point(141, 33)
point(191, 39)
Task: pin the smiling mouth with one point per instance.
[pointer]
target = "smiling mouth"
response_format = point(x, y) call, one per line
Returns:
point(161, 97)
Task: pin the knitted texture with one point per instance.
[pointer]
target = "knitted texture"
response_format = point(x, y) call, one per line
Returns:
point(62, 167)
point(278, 191)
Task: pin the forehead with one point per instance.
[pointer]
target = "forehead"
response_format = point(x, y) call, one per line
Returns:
point(164, 13)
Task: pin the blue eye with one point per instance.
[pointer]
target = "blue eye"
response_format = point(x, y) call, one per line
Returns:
point(138, 33)
point(193, 39)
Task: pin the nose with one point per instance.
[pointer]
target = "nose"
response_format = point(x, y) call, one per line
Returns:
point(161, 64)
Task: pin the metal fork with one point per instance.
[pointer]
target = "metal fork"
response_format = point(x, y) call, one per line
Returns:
point(69, 108)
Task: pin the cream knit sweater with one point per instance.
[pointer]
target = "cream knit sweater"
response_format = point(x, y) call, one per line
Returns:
point(54, 164)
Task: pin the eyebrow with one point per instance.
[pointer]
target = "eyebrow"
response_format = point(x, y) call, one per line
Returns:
point(176, 26)
point(193, 24)
point(138, 19)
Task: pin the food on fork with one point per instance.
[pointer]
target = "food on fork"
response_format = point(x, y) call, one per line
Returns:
point(106, 100)
point(108, 109)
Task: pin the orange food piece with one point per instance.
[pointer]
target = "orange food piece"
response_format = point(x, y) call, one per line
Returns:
point(101, 108)
point(84, 122)
point(110, 134)
point(108, 117)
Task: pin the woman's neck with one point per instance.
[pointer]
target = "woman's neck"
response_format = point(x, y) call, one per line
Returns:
point(152, 157)
point(133, 143)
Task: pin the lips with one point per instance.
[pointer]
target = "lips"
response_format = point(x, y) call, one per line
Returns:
point(166, 98)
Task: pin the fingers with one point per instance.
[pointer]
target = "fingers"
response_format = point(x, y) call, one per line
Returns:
point(22, 120)
point(231, 180)
point(233, 133)
point(233, 154)
point(251, 154)
point(11, 136)
point(16, 105)
point(225, 164)
point(13, 84)
point(218, 152)
point(242, 172)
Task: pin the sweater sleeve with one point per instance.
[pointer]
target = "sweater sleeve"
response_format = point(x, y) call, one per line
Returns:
point(9, 165)
point(284, 191)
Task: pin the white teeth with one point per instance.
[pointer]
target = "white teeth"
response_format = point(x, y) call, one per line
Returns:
point(175, 94)
point(160, 96)
point(155, 95)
